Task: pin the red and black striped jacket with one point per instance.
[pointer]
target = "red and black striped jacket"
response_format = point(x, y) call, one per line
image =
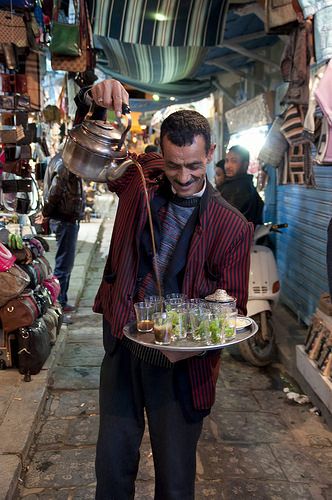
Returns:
point(218, 257)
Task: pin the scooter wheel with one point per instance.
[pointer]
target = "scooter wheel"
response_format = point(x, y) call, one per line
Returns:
point(257, 350)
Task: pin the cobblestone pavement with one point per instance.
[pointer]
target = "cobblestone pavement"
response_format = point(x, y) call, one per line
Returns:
point(256, 444)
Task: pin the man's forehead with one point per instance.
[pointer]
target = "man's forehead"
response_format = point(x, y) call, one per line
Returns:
point(233, 156)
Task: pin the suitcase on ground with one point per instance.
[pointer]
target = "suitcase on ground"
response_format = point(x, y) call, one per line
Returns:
point(7, 350)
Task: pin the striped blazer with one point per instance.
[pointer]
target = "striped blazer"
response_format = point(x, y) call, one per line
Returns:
point(218, 257)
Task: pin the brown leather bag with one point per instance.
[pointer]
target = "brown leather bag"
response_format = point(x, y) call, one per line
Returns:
point(12, 283)
point(23, 256)
point(19, 312)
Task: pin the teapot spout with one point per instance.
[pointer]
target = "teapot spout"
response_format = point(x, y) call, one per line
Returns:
point(117, 168)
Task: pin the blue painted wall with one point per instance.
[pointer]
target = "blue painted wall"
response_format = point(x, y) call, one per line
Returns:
point(301, 249)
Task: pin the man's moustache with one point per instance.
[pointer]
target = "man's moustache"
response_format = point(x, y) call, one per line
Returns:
point(186, 184)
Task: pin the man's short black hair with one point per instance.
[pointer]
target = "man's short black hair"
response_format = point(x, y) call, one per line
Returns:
point(151, 148)
point(183, 126)
point(242, 152)
point(221, 164)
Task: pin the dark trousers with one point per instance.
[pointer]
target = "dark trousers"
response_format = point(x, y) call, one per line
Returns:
point(127, 387)
point(66, 238)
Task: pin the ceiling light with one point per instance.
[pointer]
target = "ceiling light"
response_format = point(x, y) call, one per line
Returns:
point(172, 98)
point(155, 97)
point(160, 17)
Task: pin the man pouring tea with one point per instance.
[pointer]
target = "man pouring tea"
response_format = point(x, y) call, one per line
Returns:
point(202, 244)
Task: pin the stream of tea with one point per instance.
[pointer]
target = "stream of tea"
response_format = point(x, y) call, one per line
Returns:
point(155, 261)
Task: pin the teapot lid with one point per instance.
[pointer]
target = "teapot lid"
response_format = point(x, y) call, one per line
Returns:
point(103, 130)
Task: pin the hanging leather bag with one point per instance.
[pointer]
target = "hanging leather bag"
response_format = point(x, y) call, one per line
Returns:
point(66, 38)
point(280, 16)
point(34, 347)
point(12, 29)
point(86, 60)
point(18, 167)
point(12, 283)
point(18, 312)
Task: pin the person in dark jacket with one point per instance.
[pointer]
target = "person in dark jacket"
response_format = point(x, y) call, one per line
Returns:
point(238, 188)
point(63, 206)
point(219, 173)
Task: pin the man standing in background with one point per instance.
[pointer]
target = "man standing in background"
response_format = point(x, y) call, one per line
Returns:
point(63, 206)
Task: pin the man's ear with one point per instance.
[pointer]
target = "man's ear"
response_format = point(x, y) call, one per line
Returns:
point(209, 156)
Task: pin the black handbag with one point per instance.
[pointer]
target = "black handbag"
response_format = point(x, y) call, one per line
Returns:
point(34, 347)
point(32, 273)
point(43, 299)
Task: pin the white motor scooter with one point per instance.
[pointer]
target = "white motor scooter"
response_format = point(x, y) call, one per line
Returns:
point(264, 289)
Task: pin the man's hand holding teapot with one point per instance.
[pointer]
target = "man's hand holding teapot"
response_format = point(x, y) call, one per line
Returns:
point(110, 94)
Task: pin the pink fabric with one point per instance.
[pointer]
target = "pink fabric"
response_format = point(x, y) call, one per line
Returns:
point(7, 259)
point(323, 93)
point(53, 285)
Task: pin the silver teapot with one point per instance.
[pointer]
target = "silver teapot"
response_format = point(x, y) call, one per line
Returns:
point(94, 150)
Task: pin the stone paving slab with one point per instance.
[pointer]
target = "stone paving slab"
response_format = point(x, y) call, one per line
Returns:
point(10, 467)
point(244, 400)
point(93, 337)
point(69, 432)
point(303, 463)
point(76, 378)
point(273, 400)
point(268, 490)
point(74, 403)
point(62, 468)
point(87, 355)
point(60, 494)
point(245, 377)
point(21, 416)
point(249, 427)
point(209, 489)
point(250, 461)
point(84, 313)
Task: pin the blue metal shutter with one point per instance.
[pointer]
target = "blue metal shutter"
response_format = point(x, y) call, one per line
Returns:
point(301, 249)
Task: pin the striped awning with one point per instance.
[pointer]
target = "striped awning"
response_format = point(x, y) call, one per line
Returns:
point(160, 23)
point(151, 65)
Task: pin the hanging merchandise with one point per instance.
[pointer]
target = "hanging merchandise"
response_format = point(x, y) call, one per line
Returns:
point(292, 126)
point(275, 145)
point(86, 60)
point(323, 93)
point(13, 29)
point(324, 148)
point(17, 4)
point(280, 16)
point(65, 39)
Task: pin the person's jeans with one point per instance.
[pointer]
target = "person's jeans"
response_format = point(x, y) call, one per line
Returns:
point(66, 237)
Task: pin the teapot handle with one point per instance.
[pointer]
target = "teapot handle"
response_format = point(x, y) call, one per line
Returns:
point(125, 111)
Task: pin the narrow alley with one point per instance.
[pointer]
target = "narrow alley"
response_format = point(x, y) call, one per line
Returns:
point(256, 444)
